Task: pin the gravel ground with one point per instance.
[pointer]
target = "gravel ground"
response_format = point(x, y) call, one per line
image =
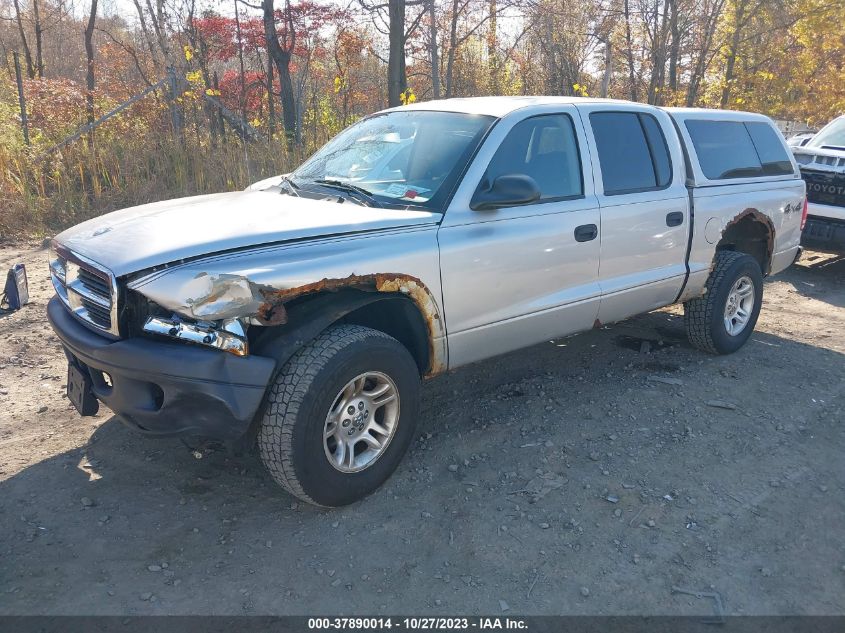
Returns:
point(593, 475)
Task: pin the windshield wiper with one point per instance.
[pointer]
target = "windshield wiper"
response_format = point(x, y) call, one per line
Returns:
point(291, 185)
point(350, 188)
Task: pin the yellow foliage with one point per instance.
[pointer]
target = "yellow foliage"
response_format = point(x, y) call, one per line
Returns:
point(408, 97)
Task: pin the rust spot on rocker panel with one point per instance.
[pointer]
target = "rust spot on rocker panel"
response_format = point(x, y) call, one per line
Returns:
point(274, 312)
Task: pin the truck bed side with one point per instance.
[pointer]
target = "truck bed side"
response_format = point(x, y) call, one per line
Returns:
point(755, 213)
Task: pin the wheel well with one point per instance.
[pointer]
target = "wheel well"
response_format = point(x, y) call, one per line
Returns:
point(398, 317)
point(751, 233)
point(394, 314)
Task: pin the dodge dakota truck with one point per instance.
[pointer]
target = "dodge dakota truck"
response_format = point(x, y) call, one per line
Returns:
point(822, 164)
point(305, 311)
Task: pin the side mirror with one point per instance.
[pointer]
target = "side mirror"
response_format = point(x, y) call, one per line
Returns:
point(508, 190)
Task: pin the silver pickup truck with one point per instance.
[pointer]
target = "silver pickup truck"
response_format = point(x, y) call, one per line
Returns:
point(307, 309)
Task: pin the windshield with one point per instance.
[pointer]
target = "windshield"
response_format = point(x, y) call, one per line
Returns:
point(401, 158)
point(831, 135)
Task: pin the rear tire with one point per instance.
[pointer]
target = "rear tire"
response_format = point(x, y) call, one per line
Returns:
point(722, 320)
point(310, 442)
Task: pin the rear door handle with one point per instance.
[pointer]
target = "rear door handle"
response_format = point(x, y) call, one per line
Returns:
point(676, 218)
point(586, 232)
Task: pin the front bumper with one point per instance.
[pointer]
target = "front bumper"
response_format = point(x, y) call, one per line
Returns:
point(164, 388)
point(824, 234)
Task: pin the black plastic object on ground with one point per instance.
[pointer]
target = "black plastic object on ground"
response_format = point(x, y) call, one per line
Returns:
point(16, 291)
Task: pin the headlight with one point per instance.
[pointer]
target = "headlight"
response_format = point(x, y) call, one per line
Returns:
point(229, 337)
point(208, 309)
point(57, 264)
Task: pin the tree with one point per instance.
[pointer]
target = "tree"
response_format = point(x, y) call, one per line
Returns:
point(397, 79)
point(30, 69)
point(89, 73)
point(281, 56)
point(433, 50)
point(38, 27)
point(703, 49)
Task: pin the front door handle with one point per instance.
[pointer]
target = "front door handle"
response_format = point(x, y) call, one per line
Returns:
point(586, 232)
point(676, 218)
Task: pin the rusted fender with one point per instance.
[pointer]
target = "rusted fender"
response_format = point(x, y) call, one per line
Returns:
point(273, 311)
point(218, 296)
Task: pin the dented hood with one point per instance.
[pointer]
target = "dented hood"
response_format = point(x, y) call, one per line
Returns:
point(150, 235)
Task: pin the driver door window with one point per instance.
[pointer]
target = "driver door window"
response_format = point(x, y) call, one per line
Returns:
point(544, 148)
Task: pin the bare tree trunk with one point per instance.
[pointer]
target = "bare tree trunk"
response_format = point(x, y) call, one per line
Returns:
point(397, 81)
point(281, 57)
point(39, 39)
point(158, 27)
point(608, 68)
point(709, 30)
point(271, 101)
point(491, 48)
point(733, 50)
point(27, 54)
point(453, 48)
point(630, 51)
point(435, 57)
point(148, 38)
point(299, 92)
point(675, 48)
point(89, 75)
point(221, 122)
point(242, 92)
point(658, 68)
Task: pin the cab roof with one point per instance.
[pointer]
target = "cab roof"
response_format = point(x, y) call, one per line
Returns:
point(501, 106)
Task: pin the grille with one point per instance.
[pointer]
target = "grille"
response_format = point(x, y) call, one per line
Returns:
point(87, 290)
point(97, 314)
point(94, 283)
point(825, 187)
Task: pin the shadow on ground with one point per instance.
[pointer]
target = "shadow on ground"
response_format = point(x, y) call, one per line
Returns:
point(579, 483)
point(820, 277)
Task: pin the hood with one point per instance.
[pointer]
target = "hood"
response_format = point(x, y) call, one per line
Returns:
point(820, 158)
point(150, 235)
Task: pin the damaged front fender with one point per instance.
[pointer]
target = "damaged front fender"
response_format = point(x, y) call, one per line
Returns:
point(269, 285)
point(209, 296)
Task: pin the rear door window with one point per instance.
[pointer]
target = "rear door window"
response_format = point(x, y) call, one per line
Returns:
point(659, 150)
point(733, 149)
point(632, 152)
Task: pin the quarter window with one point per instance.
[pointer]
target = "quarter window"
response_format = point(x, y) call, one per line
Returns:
point(544, 148)
point(769, 148)
point(734, 149)
point(633, 154)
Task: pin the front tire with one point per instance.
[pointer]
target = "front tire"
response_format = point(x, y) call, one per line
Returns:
point(722, 320)
point(340, 415)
